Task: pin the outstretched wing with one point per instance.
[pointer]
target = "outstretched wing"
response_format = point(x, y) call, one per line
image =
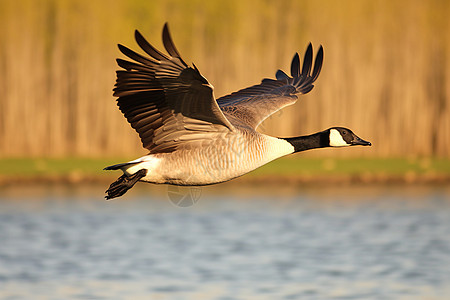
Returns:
point(170, 104)
point(254, 104)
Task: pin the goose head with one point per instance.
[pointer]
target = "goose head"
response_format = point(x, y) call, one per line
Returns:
point(344, 137)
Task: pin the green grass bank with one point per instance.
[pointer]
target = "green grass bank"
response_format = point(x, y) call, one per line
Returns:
point(408, 170)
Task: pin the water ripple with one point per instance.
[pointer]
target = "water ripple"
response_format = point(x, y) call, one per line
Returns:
point(308, 246)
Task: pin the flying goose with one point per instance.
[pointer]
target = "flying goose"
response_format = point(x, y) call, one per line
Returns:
point(195, 139)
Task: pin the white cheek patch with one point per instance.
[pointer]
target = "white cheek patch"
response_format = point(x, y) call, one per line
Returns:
point(336, 139)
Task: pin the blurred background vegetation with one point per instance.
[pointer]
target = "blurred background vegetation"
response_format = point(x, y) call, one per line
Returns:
point(386, 70)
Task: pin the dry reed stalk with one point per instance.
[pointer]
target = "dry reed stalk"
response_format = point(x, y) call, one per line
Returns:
point(386, 72)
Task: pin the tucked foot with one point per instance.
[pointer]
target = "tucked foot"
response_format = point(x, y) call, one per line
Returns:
point(123, 184)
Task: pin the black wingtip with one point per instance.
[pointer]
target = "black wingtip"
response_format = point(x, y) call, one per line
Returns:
point(280, 75)
point(307, 60)
point(303, 79)
point(318, 63)
point(170, 45)
point(122, 48)
point(166, 26)
point(137, 34)
point(165, 31)
point(295, 65)
point(139, 38)
point(148, 48)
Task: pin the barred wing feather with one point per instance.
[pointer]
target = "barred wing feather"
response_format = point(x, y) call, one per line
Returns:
point(254, 104)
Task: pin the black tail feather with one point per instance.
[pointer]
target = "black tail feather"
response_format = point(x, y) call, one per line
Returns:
point(123, 184)
point(119, 166)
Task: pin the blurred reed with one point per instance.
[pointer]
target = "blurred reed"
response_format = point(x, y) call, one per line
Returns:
point(386, 72)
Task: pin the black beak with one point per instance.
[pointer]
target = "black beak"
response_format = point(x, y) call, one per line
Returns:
point(361, 142)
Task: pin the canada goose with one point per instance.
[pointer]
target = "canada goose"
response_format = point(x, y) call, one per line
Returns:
point(195, 139)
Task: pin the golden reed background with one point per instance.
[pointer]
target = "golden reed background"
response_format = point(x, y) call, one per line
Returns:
point(386, 71)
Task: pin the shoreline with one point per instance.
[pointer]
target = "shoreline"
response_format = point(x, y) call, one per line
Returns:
point(302, 171)
point(276, 179)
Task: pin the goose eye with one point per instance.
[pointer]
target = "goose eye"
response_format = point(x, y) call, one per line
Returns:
point(344, 132)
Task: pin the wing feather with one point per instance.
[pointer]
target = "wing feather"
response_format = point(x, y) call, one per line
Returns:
point(307, 61)
point(149, 49)
point(254, 104)
point(295, 66)
point(168, 103)
point(169, 44)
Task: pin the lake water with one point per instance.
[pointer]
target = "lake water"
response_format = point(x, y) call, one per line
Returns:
point(373, 242)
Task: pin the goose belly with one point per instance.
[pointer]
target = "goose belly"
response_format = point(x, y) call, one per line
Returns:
point(218, 162)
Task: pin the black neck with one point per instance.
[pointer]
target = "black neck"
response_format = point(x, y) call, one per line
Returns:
point(313, 141)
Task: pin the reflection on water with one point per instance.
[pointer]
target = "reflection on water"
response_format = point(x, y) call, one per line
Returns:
point(255, 243)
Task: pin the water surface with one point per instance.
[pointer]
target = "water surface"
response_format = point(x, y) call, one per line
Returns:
point(65, 242)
